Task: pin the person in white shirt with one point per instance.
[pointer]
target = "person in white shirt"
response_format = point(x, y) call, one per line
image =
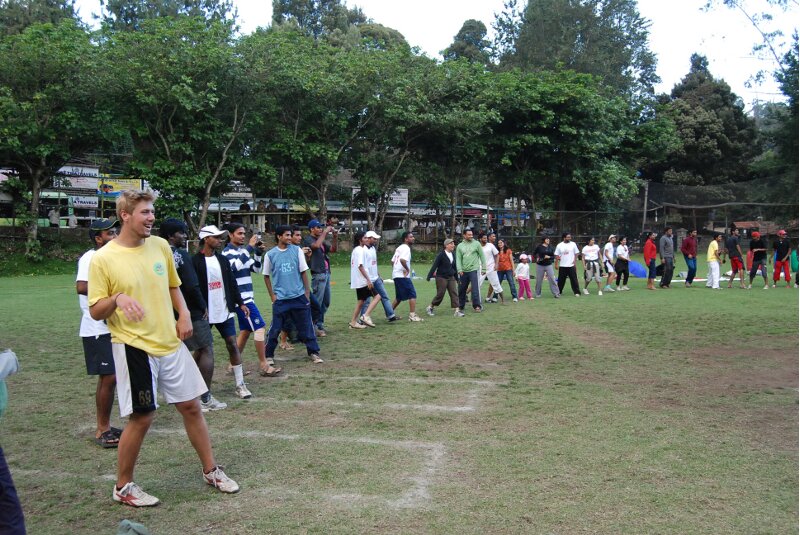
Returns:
point(523, 274)
point(590, 254)
point(97, 339)
point(566, 255)
point(361, 282)
point(401, 274)
point(621, 266)
point(491, 252)
point(371, 257)
point(609, 253)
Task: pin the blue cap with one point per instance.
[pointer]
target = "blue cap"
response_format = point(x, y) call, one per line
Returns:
point(314, 223)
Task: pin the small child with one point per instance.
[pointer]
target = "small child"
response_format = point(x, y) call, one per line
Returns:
point(523, 274)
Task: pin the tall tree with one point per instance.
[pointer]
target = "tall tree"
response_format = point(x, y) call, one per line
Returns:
point(184, 95)
point(717, 139)
point(16, 15)
point(50, 88)
point(470, 43)
point(606, 38)
point(128, 15)
point(316, 17)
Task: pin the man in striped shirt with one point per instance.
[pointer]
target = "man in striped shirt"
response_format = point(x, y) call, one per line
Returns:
point(245, 257)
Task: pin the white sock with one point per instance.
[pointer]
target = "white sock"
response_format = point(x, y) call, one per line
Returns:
point(238, 374)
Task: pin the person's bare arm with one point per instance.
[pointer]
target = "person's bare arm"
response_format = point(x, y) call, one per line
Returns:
point(184, 323)
point(82, 287)
point(268, 283)
point(306, 284)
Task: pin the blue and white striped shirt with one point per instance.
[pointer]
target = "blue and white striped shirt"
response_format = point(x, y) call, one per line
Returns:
point(242, 264)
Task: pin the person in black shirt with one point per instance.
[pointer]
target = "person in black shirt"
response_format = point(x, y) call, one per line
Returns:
point(759, 249)
point(783, 251)
point(444, 268)
point(545, 255)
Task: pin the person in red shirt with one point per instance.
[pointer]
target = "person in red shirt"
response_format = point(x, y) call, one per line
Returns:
point(650, 254)
point(689, 250)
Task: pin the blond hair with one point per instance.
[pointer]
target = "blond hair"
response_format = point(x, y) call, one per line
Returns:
point(129, 198)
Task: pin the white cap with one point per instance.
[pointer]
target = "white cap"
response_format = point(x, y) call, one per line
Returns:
point(523, 256)
point(212, 230)
point(372, 234)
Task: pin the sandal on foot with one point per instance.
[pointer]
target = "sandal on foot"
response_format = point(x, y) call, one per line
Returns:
point(108, 439)
point(287, 346)
point(270, 372)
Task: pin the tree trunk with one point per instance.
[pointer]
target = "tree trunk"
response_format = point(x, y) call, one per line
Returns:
point(32, 243)
point(323, 194)
point(453, 204)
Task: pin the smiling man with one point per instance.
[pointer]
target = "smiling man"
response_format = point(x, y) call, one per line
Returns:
point(135, 288)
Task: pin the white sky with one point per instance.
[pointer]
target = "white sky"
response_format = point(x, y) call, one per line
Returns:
point(679, 28)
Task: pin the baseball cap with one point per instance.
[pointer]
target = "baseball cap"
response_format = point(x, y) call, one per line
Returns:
point(448, 241)
point(314, 223)
point(613, 236)
point(372, 234)
point(103, 224)
point(170, 226)
point(523, 256)
point(211, 230)
point(756, 234)
point(781, 233)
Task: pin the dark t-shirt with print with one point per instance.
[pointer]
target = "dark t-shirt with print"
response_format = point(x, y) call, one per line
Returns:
point(732, 245)
point(783, 248)
point(758, 244)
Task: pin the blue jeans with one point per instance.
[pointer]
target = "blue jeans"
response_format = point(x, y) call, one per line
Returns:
point(509, 276)
point(297, 311)
point(691, 263)
point(12, 520)
point(321, 288)
point(469, 278)
point(385, 301)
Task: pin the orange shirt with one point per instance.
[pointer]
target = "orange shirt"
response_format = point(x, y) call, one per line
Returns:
point(505, 261)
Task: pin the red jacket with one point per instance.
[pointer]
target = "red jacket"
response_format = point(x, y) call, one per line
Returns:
point(650, 251)
point(689, 246)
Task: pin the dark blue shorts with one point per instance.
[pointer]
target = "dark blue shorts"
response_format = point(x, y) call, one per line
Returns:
point(98, 355)
point(254, 322)
point(404, 289)
point(651, 269)
point(226, 328)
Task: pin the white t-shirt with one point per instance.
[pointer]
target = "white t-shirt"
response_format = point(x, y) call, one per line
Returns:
point(608, 252)
point(371, 257)
point(449, 256)
point(523, 271)
point(217, 306)
point(402, 252)
point(357, 258)
point(566, 253)
point(89, 325)
point(591, 252)
point(622, 252)
point(490, 251)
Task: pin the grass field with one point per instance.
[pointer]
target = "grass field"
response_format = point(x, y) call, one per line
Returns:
point(640, 412)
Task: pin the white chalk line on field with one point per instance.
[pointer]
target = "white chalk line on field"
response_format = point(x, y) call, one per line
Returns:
point(358, 404)
point(417, 380)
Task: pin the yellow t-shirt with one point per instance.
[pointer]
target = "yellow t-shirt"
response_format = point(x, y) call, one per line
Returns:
point(145, 273)
point(713, 247)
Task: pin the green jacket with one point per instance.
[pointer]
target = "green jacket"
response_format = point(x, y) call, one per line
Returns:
point(469, 256)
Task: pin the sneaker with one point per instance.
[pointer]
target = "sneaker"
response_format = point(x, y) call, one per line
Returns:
point(413, 317)
point(585, 291)
point(578, 295)
point(608, 288)
point(626, 288)
point(315, 358)
point(773, 286)
point(515, 299)
point(366, 320)
point(749, 286)
point(494, 300)
point(477, 310)
point(458, 313)
point(271, 361)
point(392, 318)
point(131, 494)
point(243, 392)
point(521, 299)
point(357, 325)
point(213, 404)
point(217, 479)
point(766, 286)
point(429, 310)
point(599, 292)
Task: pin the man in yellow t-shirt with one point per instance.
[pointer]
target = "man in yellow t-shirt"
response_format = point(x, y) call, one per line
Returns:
point(714, 259)
point(135, 288)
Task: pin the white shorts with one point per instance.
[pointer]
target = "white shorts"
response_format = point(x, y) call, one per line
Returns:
point(140, 377)
point(609, 267)
point(494, 281)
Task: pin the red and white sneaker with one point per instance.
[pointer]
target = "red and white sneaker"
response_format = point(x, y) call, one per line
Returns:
point(217, 478)
point(131, 494)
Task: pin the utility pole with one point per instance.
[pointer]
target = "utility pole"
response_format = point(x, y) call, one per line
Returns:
point(644, 210)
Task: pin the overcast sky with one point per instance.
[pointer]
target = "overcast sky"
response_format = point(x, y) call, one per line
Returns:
point(679, 28)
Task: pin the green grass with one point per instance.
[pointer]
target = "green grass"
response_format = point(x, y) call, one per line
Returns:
point(641, 412)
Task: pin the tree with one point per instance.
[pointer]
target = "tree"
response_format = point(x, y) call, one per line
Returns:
point(470, 43)
point(49, 92)
point(717, 139)
point(605, 38)
point(316, 18)
point(185, 96)
point(16, 15)
point(128, 15)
